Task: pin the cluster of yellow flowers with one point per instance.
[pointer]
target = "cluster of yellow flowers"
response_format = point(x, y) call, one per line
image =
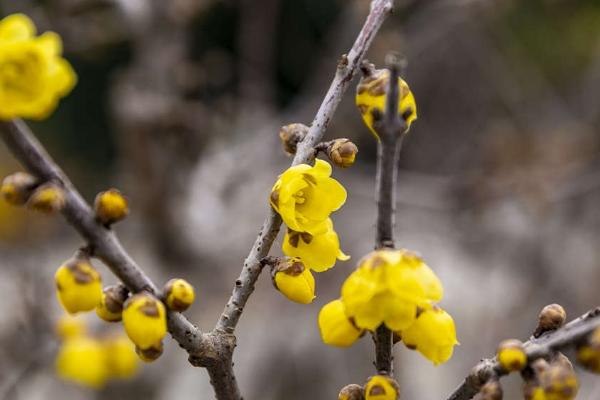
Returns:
point(33, 74)
point(90, 361)
point(395, 288)
point(305, 196)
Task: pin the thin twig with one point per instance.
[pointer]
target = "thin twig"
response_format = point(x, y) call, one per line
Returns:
point(541, 347)
point(391, 128)
point(346, 69)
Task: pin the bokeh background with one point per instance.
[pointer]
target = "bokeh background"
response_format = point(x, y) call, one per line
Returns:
point(179, 103)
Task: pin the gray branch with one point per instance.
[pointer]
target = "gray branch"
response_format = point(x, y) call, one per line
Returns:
point(535, 348)
point(214, 350)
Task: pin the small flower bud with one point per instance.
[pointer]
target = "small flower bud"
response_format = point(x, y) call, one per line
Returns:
point(294, 281)
point(511, 355)
point(111, 206)
point(151, 353)
point(179, 294)
point(551, 317)
point(69, 326)
point(48, 199)
point(79, 286)
point(342, 152)
point(381, 387)
point(352, 392)
point(559, 381)
point(337, 329)
point(110, 308)
point(588, 352)
point(491, 390)
point(144, 319)
point(291, 135)
point(17, 188)
point(82, 360)
point(121, 357)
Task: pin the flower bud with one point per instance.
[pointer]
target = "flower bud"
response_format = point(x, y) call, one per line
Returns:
point(291, 135)
point(335, 327)
point(294, 281)
point(491, 390)
point(511, 355)
point(559, 381)
point(82, 360)
point(151, 353)
point(111, 206)
point(48, 199)
point(69, 326)
point(342, 152)
point(588, 352)
point(381, 387)
point(352, 392)
point(144, 319)
point(551, 317)
point(79, 286)
point(110, 308)
point(179, 294)
point(121, 357)
point(17, 188)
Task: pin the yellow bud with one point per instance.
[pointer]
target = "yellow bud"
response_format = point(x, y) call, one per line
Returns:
point(17, 188)
point(48, 199)
point(79, 286)
point(110, 308)
point(551, 317)
point(294, 281)
point(291, 135)
point(151, 353)
point(342, 152)
point(144, 319)
point(588, 352)
point(491, 390)
point(82, 360)
point(121, 357)
point(69, 326)
point(111, 206)
point(559, 380)
point(335, 327)
point(381, 387)
point(179, 294)
point(511, 355)
point(352, 392)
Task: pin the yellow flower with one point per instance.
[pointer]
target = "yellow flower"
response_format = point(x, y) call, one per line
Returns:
point(33, 74)
point(150, 354)
point(559, 380)
point(318, 252)
point(387, 287)
point(179, 294)
point(335, 327)
point(371, 98)
point(110, 308)
point(381, 387)
point(82, 360)
point(69, 326)
point(111, 206)
point(511, 355)
point(305, 196)
point(121, 358)
point(144, 319)
point(295, 281)
point(433, 334)
point(79, 286)
point(588, 352)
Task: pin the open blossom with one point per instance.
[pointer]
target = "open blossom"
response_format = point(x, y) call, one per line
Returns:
point(306, 195)
point(318, 252)
point(387, 287)
point(433, 334)
point(33, 74)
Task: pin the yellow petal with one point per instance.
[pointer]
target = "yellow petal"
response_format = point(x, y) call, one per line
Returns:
point(16, 27)
point(335, 327)
point(298, 288)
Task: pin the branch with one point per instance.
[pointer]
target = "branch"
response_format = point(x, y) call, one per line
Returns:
point(346, 69)
point(536, 348)
point(390, 128)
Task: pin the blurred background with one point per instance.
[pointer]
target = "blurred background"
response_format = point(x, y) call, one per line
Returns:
point(179, 104)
